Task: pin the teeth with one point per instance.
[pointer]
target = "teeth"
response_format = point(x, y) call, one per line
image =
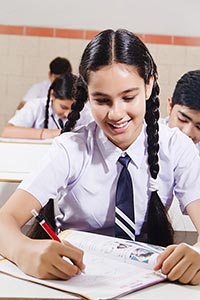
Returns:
point(119, 126)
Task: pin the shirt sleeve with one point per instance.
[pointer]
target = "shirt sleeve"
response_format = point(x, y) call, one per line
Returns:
point(50, 175)
point(25, 117)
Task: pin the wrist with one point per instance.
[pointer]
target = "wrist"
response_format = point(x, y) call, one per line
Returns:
point(41, 134)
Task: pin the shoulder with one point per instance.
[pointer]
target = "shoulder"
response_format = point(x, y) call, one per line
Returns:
point(38, 85)
point(35, 104)
point(85, 116)
point(164, 121)
point(175, 144)
point(79, 140)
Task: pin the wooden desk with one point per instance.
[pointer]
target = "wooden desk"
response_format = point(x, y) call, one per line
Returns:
point(27, 290)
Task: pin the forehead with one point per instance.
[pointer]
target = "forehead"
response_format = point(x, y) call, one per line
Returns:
point(114, 77)
point(64, 102)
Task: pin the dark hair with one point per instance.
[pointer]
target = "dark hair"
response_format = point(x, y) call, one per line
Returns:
point(187, 90)
point(60, 65)
point(63, 88)
point(124, 47)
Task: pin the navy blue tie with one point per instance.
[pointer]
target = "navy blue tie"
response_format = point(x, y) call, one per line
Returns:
point(60, 121)
point(124, 208)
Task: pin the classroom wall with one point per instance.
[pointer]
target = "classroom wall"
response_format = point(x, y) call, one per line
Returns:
point(34, 32)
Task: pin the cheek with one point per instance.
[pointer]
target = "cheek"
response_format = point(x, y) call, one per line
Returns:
point(99, 112)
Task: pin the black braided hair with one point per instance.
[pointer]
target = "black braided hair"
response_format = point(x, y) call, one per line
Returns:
point(159, 229)
point(81, 96)
point(46, 120)
point(124, 47)
point(63, 88)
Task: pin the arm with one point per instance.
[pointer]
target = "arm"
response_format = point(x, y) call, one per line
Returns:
point(39, 258)
point(11, 131)
point(182, 262)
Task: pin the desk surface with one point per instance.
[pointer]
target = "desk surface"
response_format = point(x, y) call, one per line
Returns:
point(19, 159)
point(28, 290)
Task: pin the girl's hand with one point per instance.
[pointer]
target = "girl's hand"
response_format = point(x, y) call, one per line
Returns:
point(45, 259)
point(180, 262)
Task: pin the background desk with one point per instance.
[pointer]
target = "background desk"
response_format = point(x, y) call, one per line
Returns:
point(16, 288)
point(17, 159)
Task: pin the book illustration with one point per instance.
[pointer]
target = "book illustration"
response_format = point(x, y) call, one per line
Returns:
point(125, 250)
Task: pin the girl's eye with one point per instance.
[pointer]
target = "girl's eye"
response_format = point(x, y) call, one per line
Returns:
point(198, 127)
point(102, 100)
point(130, 98)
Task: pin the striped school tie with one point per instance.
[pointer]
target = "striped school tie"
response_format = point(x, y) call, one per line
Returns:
point(124, 209)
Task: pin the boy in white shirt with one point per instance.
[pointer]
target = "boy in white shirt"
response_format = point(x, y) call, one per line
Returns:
point(184, 106)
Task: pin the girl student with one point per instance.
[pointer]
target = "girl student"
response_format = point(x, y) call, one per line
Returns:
point(119, 77)
point(43, 118)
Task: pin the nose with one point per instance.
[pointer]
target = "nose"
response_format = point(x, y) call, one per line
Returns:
point(65, 114)
point(116, 112)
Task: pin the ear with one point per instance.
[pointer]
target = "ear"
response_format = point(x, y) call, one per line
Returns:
point(52, 95)
point(169, 101)
point(49, 75)
point(149, 88)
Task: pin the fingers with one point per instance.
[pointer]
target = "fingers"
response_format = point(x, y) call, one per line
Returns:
point(75, 255)
point(67, 262)
point(180, 263)
point(51, 259)
point(163, 256)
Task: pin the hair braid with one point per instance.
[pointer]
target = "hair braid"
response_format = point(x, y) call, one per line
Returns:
point(159, 229)
point(46, 120)
point(81, 97)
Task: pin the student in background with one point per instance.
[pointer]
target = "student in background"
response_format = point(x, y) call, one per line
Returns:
point(184, 106)
point(119, 77)
point(57, 67)
point(43, 118)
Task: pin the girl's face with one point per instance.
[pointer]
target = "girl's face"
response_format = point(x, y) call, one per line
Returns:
point(118, 102)
point(61, 107)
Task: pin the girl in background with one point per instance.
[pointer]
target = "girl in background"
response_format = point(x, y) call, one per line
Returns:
point(44, 118)
point(119, 77)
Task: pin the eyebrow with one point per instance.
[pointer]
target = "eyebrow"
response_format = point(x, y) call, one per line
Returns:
point(104, 94)
point(187, 117)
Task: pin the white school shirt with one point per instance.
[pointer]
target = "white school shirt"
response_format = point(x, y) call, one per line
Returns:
point(32, 115)
point(165, 121)
point(37, 90)
point(83, 165)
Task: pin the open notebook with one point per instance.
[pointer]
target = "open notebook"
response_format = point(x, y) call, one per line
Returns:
point(114, 267)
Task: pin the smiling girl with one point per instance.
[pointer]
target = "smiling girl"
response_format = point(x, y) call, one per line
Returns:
point(119, 77)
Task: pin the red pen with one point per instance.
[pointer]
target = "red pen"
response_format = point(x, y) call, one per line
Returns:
point(49, 231)
point(45, 225)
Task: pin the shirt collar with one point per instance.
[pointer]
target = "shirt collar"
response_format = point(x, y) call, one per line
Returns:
point(111, 153)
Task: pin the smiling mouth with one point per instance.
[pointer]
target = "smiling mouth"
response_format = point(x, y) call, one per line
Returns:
point(122, 125)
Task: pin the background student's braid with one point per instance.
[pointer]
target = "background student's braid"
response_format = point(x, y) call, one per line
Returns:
point(46, 120)
point(81, 97)
point(159, 229)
